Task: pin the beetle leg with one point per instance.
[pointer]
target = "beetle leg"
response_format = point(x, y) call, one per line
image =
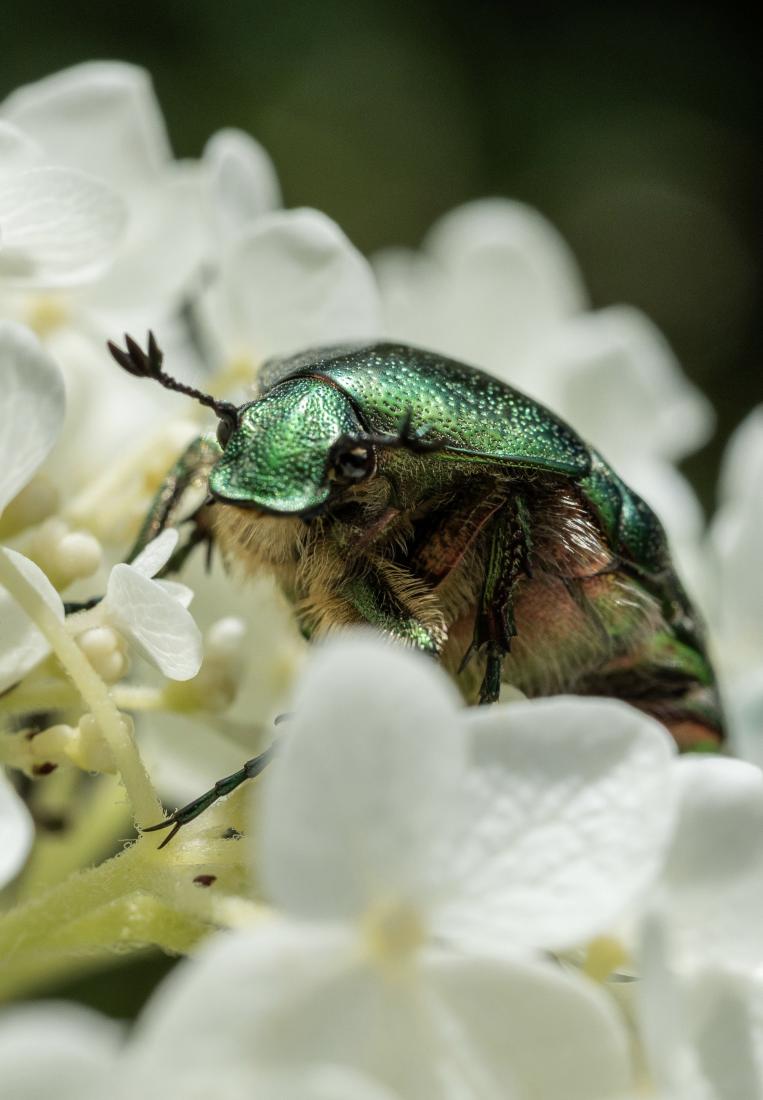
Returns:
point(222, 787)
point(189, 472)
point(373, 597)
point(508, 559)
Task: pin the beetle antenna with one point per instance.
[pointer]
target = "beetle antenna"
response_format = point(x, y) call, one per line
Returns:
point(148, 364)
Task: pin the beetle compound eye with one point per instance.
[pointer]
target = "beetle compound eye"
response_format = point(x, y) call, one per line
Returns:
point(225, 430)
point(353, 463)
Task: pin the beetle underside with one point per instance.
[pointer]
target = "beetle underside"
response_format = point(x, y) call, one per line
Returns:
point(577, 623)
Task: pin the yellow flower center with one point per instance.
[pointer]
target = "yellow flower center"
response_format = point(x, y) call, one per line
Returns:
point(393, 931)
point(46, 313)
point(605, 954)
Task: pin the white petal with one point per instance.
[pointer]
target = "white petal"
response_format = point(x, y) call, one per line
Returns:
point(22, 645)
point(493, 278)
point(744, 707)
point(413, 290)
point(16, 832)
point(742, 470)
point(571, 813)
point(612, 375)
point(702, 1035)
point(243, 181)
point(101, 117)
point(727, 1014)
point(59, 1050)
point(156, 553)
point(294, 282)
point(528, 247)
point(161, 254)
point(358, 806)
point(663, 1020)
point(526, 1026)
point(244, 980)
point(32, 408)
point(180, 592)
point(290, 996)
point(17, 150)
point(157, 624)
point(59, 228)
point(713, 879)
point(736, 542)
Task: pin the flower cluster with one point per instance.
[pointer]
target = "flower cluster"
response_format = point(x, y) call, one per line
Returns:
point(418, 900)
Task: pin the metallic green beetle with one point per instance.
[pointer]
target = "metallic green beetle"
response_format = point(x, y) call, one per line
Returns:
point(389, 485)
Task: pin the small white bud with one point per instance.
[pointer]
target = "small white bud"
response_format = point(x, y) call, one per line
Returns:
point(225, 638)
point(64, 555)
point(43, 751)
point(106, 650)
point(79, 555)
point(91, 752)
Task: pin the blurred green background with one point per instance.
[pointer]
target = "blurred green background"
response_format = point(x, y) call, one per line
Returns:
point(632, 127)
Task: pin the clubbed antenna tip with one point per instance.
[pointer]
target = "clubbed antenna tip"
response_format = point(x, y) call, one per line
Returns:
point(136, 361)
point(148, 364)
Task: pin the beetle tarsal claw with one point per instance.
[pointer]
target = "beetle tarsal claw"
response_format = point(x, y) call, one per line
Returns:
point(160, 825)
point(172, 823)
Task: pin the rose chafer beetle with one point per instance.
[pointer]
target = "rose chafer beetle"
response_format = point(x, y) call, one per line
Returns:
point(389, 485)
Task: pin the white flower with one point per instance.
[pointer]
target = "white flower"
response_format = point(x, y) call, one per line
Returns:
point(101, 121)
point(733, 589)
point(58, 227)
point(16, 834)
point(241, 185)
point(30, 419)
point(700, 989)
point(416, 904)
point(31, 415)
point(152, 614)
point(290, 281)
point(205, 735)
point(102, 118)
point(702, 1033)
point(88, 1057)
point(737, 546)
point(711, 890)
point(492, 277)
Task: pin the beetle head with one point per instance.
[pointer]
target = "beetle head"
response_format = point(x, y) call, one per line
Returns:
point(284, 453)
point(291, 448)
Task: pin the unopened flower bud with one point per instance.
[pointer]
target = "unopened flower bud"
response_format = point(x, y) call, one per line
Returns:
point(40, 751)
point(79, 555)
point(64, 555)
point(106, 650)
point(91, 751)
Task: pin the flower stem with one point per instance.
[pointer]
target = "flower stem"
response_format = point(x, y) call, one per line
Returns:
point(145, 804)
point(86, 919)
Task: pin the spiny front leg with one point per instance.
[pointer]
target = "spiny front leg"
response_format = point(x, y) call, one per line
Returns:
point(508, 558)
point(222, 787)
point(189, 473)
